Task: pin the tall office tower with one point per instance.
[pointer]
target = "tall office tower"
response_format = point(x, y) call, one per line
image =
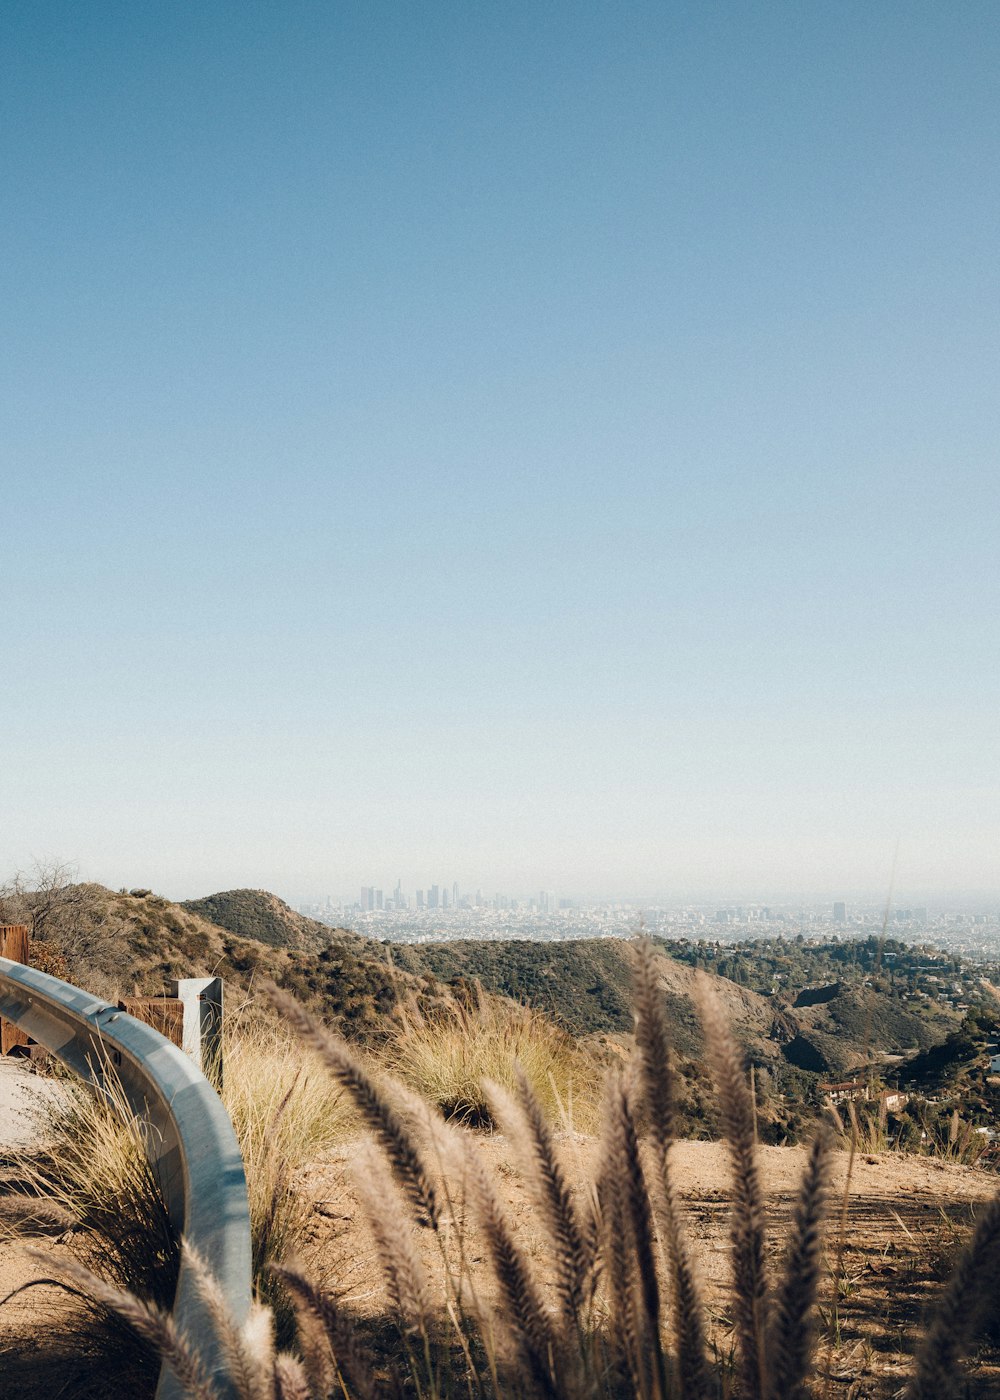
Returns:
point(367, 897)
point(920, 916)
point(479, 899)
point(378, 899)
point(397, 895)
point(454, 894)
point(433, 897)
point(444, 898)
point(420, 899)
point(840, 913)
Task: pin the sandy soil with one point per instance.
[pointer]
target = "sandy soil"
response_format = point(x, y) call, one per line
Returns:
point(22, 1092)
point(905, 1218)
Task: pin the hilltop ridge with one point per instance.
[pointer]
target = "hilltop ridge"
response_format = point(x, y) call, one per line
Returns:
point(260, 915)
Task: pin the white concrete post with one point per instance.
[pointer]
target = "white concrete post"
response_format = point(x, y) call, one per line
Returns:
point(201, 998)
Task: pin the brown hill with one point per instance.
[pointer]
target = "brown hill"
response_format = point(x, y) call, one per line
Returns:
point(134, 942)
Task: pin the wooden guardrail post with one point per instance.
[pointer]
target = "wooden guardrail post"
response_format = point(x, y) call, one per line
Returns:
point(13, 945)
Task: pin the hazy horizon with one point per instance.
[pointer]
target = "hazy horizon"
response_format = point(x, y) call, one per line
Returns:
point(552, 446)
point(957, 900)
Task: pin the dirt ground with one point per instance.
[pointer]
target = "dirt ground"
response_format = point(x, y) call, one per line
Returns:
point(905, 1218)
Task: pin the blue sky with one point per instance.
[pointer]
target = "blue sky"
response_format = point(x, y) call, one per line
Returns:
point(534, 445)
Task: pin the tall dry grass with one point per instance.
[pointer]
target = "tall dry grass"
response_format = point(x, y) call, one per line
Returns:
point(286, 1114)
point(628, 1317)
point(447, 1055)
point(91, 1177)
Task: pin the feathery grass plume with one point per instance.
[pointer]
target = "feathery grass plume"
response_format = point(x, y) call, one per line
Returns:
point(523, 1311)
point(312, 1342)
point(27, 1215)
point(790, 1333)
point(658, 1088)
point(247, 1352)
point(378, 1113)
point(958, 1311)
point(573, 1247)
point(290, 1381)
point(615, 1238)
point(750, 1300)
point(338, 1332)
point(390, 1226)
point(629, 1180)
point(150, 1322)
point(652, 1042)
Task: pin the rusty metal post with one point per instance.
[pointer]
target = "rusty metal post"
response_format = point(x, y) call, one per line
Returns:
point(14, 945)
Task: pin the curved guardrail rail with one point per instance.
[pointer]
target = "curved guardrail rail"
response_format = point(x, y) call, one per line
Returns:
point(190, 1141)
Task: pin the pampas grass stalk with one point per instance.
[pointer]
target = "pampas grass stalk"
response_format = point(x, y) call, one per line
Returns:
point(371, 1102)
point(338, 1333)
point(654, 1051)
point(953, 1321)
point(522, 1306)
point(573, 1246)
point(290, 1380)
point(246, 1352)
point(390, 1226)
point(150, 1322)
point(616, 1234)
point(790, 1336)
point(638, 1219)
point(657, 1082)
point(750, 1291)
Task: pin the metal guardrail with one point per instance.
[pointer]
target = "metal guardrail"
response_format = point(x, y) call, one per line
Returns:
point(190, 1141)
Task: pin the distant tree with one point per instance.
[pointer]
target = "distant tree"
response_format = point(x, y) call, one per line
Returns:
point(76, 920)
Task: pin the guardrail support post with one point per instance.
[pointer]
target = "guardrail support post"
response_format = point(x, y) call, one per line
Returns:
point(201, 998)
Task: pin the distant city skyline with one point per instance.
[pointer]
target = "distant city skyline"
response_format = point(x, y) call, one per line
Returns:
point(442, 896)
point(543, 447)
point(973, 933)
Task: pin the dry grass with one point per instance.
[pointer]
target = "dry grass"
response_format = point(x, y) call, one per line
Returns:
point(628, 1322)
point(94, 1175)
point(286, 1113)
point(448, 1055)
point(94, 1179)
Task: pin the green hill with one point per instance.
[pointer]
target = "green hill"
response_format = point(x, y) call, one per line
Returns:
point(260, 915)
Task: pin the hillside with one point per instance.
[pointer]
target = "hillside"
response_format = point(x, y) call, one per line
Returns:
point(586, 986)
point(262, 916)
point(122, 942)
point(788, 1019)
